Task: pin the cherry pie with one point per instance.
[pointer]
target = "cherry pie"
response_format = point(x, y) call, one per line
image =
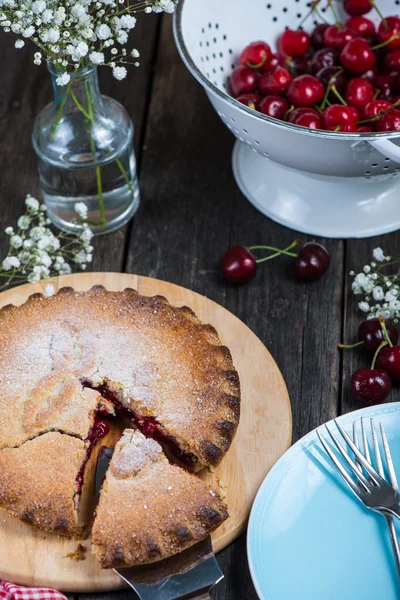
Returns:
point(150, 509)
point(71, 362)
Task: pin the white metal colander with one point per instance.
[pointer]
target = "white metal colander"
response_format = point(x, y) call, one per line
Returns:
point(328, 184)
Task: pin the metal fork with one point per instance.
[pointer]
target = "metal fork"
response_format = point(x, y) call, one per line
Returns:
point(373, 490)
point(376, 493)
point(392, 475)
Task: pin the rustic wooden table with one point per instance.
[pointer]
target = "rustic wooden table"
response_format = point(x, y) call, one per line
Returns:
point(191, 212)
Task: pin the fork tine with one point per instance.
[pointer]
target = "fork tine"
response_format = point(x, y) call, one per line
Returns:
point(377, 451)
point(365, 441)
point(392, 472)
point(349, 461)
point(367, 466)
point(339, 467)
point(355, 440)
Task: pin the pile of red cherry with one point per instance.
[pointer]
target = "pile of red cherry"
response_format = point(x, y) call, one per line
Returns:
point(343, 77)
point(379, 338)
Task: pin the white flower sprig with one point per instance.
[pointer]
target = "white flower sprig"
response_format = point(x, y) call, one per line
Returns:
point(380, 289)
point(35, 253)
point(78, 33)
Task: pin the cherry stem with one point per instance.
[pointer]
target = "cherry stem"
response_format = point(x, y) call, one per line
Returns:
point(376, 354)
point(321, 17)
point(260, 64)
point(380, 114)
point(373, 4)
point(349, 346)
point(314, 5)
point(337, 21)
point(338, 95)
point(289, 110)
point(389, 41)
point(385, 333)
point(277, 251)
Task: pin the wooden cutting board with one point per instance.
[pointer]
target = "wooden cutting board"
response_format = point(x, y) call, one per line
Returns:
point(31, 557)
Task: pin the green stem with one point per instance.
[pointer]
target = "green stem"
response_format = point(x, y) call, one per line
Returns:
point(103, 220)
point(389, 41)
point(376, 354)
point(87, 114)
point(59, 113)
point(338, 95)
point(349, 346)
point(124, 174)
point(382, 323)
point(373, 4)
point(335, 15)
point(277, 251)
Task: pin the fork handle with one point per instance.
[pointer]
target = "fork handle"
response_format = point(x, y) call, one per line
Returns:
point(394, 540)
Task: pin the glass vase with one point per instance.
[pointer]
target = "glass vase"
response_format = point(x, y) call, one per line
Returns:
point(84, 144)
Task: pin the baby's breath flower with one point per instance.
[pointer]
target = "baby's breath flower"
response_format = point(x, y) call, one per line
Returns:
point(11, 262)
point(48, 290)
point(81, 209)
point(119, 73)
point(16, 241)
point(378, 254)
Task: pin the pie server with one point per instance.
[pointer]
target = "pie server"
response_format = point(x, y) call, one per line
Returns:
point(189, 574)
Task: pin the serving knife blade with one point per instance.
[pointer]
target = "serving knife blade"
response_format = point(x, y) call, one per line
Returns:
point(187, 575)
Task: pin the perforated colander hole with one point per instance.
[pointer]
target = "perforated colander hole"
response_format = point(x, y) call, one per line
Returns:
point(387, 159)
point(274, 19)
point(284, 9)
point(207, 44)
point(245, 131)
point(374, 165)
point(265, 154)
point(386, 168)
point(233, 120)
point(214, 71)
point(224, 37)
point(230, 51)
point(367, 173)
point(269, 6)
point(221, 54)
point(256, 142)
point(222, 70)
point(215, 40)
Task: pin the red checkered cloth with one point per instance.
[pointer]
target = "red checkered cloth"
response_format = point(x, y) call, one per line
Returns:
point(10, 591)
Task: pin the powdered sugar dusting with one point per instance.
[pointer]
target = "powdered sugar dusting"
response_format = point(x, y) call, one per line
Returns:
point(132, 453)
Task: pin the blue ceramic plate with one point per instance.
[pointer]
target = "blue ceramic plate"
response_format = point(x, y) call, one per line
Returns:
point(309, 538)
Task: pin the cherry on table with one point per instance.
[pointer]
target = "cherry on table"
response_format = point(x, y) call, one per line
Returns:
point(336, 37)
point(275, 83)
point(250, 100)
point(357, 7)
point(364, 27)
point(359, 92)
point(389, 360)
point(305, 90)
point(340, 118)
point(357, 56)
point(256, 55)
point(312, 261)
point(370, 386)
point(243, 80)
point(389, 27)
point(238, 265)
point(294, 43)
point(390, 121)
point(274, 106)
point(318, 35)
point(371, 334)
point(326, 57)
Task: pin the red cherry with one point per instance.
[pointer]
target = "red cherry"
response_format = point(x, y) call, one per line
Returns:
point(374, 108)
point(357, 56)
point(293, 115)
point(338, 38)
point(386, 85)
point(243, 80)
point(340, 118)
point(275, 83)
point(274, 106)
point(305, 90)
point(357, 7)
point(317, 36)
point(365, 129)
point(359, 92)
point(388, 28)
point(371, 333)
point(250, 100)
point(390, 121)
point(276, 60)
point(363, 27)
point(391, 63)
point(300, 65)
point(326, 57)
point(370, 386)
point(312, 261)
point(294, 43)
point(238, 265)
point(256, 55)
point(389, 360)
point(333, 76)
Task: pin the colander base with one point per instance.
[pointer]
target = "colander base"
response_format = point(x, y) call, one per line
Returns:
point(330, 207)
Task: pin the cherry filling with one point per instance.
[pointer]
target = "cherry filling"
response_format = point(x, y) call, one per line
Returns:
point(149, 426)
point(98, 431)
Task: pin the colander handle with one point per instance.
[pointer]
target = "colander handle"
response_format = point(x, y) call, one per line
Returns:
point(388, 149)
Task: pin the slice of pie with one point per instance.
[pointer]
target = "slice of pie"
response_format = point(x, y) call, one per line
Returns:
point(150, 509)
point(48, 481)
